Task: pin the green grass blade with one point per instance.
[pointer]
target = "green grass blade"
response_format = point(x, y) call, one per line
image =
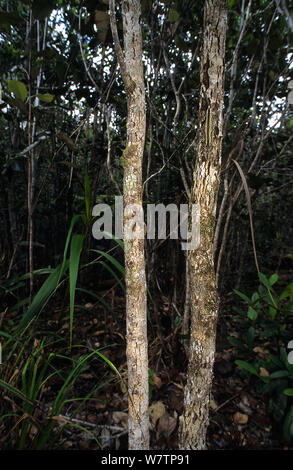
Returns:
point(99, 298)
point(112, 260)
point(113, 274)
point(41, 297)
point(11, 389)
point(75, 250)
point(73, 222)
point(117, 240)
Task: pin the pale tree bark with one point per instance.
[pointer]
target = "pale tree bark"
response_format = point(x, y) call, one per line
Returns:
point(136, 310)
point(203, 291)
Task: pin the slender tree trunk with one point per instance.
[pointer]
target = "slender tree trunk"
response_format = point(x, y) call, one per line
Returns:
point(31, 167)
point(203, 292)
point(136, 319)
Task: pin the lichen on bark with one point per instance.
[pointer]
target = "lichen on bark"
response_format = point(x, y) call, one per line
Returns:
point(136, 312)
point(128, 155)
point(203, 292)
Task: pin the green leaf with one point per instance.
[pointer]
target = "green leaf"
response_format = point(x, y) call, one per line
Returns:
point(236, 343)
point(252, 314)
point(75, 250)
point(272, 312)
point(42, 297)
point(117, 240)
point(250, 337)
point(237, 310)
point(173, 15)
point(287, 292)
point(18, 89)
point(112, 260)
point(273, 279)
point(275, 360)
point(249, 367)
point(288, 392)
point(255, 297)
point(96, 296)
point(112, 366)
point(45, 97)
point(243, 296)
point(283, 356)
point(288, 426)
point(264, 280)
point(113, 274)
point(178, 320)
point(74, 219)
point(11, 389)
point(279, 374)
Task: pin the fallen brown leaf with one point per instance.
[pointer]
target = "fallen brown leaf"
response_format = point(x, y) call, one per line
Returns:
point(120, 417)
point(240, 418)
point(167, 424)
point(157, 381)
point(156, 410)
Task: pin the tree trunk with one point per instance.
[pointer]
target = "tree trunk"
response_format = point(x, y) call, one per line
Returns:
point(203, 292)
point(136, 309)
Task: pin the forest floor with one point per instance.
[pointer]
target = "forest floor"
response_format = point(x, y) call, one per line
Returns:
point(238, 417)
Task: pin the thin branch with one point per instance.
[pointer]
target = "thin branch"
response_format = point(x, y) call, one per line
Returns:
point(108, 119)
point(83, 57)
point(117, 46)
point(167, 161)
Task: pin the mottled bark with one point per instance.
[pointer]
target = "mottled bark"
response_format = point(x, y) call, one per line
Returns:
point(136, 318)
point(203, 292)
